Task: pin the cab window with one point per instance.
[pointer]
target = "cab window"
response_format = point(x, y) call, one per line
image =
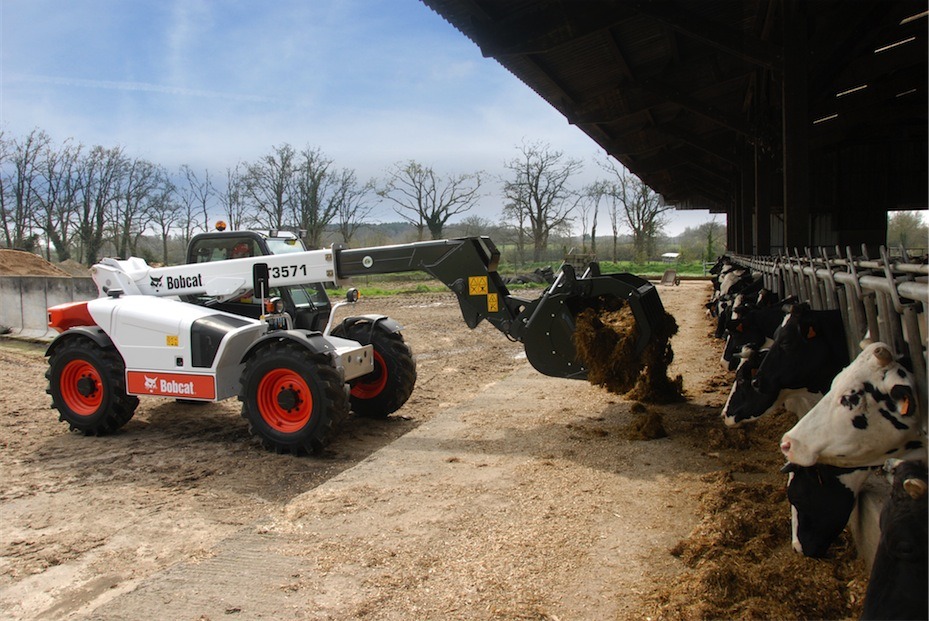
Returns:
point(209, 250)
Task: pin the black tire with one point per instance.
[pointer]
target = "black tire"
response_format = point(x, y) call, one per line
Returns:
point(88, 387)
point(384, 391)
point(293, 400)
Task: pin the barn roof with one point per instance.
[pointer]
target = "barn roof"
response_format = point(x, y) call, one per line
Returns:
point(687, 95)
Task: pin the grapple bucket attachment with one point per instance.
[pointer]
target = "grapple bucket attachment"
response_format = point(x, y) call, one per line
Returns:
point(548, 334)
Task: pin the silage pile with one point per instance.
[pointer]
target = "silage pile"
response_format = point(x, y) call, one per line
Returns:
point(741, 565)
point(605, 337)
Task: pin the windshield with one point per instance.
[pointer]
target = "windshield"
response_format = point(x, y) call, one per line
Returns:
point(284, 245)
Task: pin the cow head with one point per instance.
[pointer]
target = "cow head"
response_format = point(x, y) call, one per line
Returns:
point(821, 500)
point(745, 402)
point(808, 351)
point(868, 415)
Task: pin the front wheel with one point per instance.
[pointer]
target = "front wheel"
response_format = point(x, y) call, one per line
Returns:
point(88, 387)
point(383, 391)
point(294, 400)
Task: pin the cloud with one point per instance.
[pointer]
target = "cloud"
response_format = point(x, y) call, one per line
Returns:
point(135, 87)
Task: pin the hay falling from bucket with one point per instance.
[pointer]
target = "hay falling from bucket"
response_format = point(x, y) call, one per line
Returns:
point(605, 337)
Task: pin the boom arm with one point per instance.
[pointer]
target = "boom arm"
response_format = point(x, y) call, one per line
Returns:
point(467, 266)
point(222, 279)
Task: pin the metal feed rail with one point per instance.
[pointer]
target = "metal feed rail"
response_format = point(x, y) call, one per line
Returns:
point(882, 297)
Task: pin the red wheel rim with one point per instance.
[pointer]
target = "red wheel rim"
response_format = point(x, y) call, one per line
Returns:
point(372, 385)
point(81, 387)
point(284, 400)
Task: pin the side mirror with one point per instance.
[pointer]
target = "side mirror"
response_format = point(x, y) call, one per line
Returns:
point(260, 278)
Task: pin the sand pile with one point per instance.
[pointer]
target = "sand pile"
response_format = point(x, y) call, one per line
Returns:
point(22, 263)
point(605, 336)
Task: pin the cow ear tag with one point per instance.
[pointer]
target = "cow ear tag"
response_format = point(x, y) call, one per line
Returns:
point(904, 398)
point(811, 333)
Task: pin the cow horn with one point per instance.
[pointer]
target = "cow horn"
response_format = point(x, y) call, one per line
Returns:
point(916, 488)
point(864, 343)
point(883, 355)
point(891, 464)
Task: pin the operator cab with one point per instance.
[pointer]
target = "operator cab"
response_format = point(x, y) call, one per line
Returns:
point(308, 304)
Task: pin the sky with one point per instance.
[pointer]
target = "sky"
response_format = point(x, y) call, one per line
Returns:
point(211, 83)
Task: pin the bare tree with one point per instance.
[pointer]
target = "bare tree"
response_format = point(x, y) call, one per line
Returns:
point(593, 195)
point(642, 210)
point(5, 194)
point(21, 188)
point(355, 206)
point(472, 226)
point(516, 230)
point(315, 196)
point(99, 175)
point(427, 200)
point(232, 199)
point(268, 185)
point(539, 191)
point(712, 231)
point(128, 216)
point(164, 212)
point(57, 200)
point(199, 192)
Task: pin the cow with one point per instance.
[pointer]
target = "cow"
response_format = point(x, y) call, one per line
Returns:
point(821, 501)
point(869, 414)
point(747, 403)
point(750, 324)
point(897, 586)
point(807, 352)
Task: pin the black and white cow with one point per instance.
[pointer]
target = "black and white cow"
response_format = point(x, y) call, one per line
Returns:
point(746, 403)
point(750, 324)
point(900, 571)
point(821, 501)
point(809, 350)
point(869, 414)
point(796, 371)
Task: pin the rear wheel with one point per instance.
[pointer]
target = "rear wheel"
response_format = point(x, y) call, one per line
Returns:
point(293, 399)
point(88, 387)
point(383, 391)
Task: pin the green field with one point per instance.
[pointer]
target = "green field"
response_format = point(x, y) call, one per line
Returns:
point(421, 282)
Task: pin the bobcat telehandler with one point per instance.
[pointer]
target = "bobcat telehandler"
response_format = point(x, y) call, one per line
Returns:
point(248, 316)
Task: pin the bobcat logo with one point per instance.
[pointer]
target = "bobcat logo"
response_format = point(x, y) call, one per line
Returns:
point(156, 282)
point(150, 383)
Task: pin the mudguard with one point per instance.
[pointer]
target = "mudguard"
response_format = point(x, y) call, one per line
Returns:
point(94, 333)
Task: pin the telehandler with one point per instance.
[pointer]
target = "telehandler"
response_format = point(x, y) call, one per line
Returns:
point(248, 316)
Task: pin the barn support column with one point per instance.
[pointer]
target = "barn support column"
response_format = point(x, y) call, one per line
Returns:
point(763, 202)
point(746, 206)
point(796, 127)
point(732, 226)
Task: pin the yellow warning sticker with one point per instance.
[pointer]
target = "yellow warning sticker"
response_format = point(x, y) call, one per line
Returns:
point(171, 340)
point(477, 285)
point(492, 303)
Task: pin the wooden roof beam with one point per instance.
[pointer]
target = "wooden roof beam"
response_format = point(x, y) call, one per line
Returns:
point(545, 32)
point(705, 110)
point(735, 42)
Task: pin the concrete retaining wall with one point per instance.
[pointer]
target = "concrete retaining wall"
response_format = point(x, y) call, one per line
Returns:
point(24, 301)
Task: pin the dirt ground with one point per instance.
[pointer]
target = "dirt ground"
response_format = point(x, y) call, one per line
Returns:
point(494, 493)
